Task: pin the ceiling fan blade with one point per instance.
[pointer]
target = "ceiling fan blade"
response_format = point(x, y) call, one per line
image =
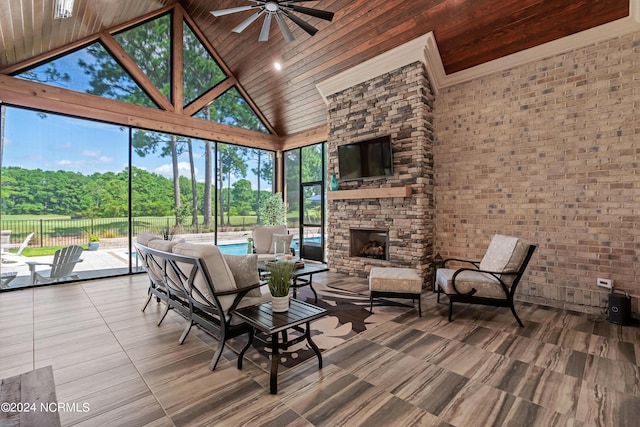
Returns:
point(317, 13)
point(223, 12)
point(244, 24)
point(310, 29)
point(284, 28)
point(266, 26)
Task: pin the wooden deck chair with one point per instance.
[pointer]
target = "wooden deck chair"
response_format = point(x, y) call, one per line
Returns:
point(64, 261)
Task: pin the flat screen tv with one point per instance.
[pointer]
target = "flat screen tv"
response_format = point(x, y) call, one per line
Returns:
point(371, 158)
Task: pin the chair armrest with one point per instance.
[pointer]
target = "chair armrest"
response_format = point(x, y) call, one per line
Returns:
point(34, 263)
point(244, 289)
point(495, 274)
point(476, 264)
point(241, 292)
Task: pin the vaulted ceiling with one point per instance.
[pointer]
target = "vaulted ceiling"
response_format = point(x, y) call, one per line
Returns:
point(468, 33)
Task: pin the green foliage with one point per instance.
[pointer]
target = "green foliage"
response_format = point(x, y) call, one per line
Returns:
point(279, 280)
point(149, 45)
point(272, 209)
point(39, 193)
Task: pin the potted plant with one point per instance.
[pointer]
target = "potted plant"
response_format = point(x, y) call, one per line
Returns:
point(94, 242)
point(279, 282)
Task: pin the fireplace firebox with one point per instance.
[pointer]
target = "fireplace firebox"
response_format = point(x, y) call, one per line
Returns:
point(369, 243)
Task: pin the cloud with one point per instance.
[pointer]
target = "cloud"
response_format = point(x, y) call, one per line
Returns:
point(91, 153)
point(167, 170)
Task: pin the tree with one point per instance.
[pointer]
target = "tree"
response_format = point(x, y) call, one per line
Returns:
point(243, 197)
point(263, 171)
point(231, 160)
point(149, 45)
point(201, 73)
point(272, 209)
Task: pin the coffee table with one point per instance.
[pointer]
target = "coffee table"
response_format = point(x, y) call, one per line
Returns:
point(263, 319)
point(299, 278)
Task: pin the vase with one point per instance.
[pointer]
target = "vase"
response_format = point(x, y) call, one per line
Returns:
point(333, 184)
point(279, 304)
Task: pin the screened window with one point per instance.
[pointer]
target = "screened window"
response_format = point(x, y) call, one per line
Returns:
point(90, 70)
point(149, 45)
point(230, 108)
point(201, 71)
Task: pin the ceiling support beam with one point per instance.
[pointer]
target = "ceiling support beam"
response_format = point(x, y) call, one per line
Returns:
point(47, 98)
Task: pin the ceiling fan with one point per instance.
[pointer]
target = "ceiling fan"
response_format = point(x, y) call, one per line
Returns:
point(277, 9)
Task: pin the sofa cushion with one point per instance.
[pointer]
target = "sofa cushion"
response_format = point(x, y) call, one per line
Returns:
point(145, 238)
point(219, 272)
point(263, 237)
point(245, 271)
point(485, 284)
point(393, 279)
point(165, 246)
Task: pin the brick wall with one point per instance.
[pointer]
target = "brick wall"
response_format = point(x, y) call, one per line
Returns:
point(399, 103)
point(548, 151)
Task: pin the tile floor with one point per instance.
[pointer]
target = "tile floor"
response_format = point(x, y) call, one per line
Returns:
point(562, 369)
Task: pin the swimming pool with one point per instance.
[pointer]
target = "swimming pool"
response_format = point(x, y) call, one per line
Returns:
point(241, 248)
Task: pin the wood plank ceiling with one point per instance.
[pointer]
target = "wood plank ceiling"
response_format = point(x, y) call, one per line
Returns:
point(468, 33)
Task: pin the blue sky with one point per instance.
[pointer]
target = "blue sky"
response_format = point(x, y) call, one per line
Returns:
point(64, 143)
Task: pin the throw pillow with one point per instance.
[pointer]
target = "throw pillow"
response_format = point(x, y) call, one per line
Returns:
point(287, 238)
point(245, 271)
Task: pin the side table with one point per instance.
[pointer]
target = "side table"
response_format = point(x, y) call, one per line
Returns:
point(263, 319)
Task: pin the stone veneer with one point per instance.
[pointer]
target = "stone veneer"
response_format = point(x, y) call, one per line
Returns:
point(398, 103)
point(548, 151)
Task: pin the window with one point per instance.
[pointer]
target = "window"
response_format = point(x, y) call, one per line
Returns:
point(149, 44)
point(90, 70)
point(201, 72)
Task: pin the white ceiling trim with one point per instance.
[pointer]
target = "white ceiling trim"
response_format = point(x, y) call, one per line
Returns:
point(390, 60)
point(425, 49)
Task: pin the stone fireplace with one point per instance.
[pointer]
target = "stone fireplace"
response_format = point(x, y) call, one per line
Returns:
point(397, 103)
point(369, 243)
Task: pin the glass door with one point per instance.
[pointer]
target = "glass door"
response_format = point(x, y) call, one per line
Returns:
point(312, 208)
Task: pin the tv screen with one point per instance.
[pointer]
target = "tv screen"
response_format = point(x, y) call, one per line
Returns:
point(371, 158)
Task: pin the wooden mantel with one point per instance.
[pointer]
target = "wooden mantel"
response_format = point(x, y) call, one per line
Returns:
point(370, 193)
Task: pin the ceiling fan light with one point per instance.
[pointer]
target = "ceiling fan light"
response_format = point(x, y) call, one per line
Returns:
point(63, 9)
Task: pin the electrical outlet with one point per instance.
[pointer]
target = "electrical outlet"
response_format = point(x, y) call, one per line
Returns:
point(605, 283)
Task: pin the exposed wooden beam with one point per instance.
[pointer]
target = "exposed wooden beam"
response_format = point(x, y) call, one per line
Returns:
point(228, 72)
point(208, 97)
point(308, 137)
point(177, 49)
point(49, 55)
point(132, 68)
point(39, 96)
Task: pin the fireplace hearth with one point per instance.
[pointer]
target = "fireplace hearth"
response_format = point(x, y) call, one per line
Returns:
point(369, 243)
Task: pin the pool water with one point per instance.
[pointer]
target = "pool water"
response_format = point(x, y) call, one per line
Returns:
point(241, 248)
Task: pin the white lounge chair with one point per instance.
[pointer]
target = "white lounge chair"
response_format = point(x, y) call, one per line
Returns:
point(64, 261)
point(10, 258)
